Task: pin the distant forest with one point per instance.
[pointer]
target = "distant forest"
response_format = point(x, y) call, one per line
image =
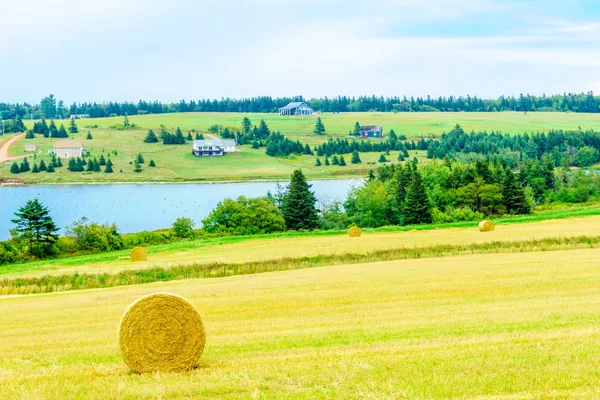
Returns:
point(50, 107)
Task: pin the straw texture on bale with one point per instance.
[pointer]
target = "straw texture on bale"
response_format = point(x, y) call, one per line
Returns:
point(486, 226)
point(354, 231)
point(161, 332)
point(139, 254)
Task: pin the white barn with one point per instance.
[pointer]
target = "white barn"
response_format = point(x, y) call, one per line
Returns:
point(68, 148)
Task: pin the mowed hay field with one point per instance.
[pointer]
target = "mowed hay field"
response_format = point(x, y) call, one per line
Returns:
point(176, 163)
point(507, 326)
point(263, 249)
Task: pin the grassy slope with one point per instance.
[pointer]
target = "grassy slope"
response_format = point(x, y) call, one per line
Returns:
point(238, 250)
point(470, 327)
point(175, 163)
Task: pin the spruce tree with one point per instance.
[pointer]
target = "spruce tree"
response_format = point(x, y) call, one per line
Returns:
point(109, 167)
point(58, 163)
point(342, 161)
point(355, 158)
point(137, 167)
point(335, 161)
point(327, 161)
point(89, 136)
point(34, 225)
point(30, 135)
point(417, 209)
point(102, 160)
point(356, 131)
point(151, 163)
point(140, 158)
point(189, 136)
point(151, 137)
point(318, 163)
point(400, 157)
point(246, 126)
point(393, 135)
point(513, 195)
point(319, 127)
point(50, 168)
point(35, 168)
point(73, 126)
point(43, 166)
point(298, 205)
point(96, 165)
point(382, 158)
point(14, 168)
point(24, 166)
point(52, 129)
point(90, 166)
point(62, 132)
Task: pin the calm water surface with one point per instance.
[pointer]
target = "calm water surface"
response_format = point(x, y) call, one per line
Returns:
point(143, 207)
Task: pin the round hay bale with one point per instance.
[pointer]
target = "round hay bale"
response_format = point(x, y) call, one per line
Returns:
point(161, 332)
point(486, 226)
point(139, 254)
point(413, 231)
point(354, 231)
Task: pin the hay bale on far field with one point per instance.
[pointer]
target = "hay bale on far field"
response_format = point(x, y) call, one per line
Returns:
point(486, 226)
point(139, 254)
point(161, 332)
point(354, 231)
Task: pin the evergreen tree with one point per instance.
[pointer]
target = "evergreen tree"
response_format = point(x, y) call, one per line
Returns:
point(513, 195)
point(62, 132)
point(109, 167)
point(199, 136)
point(140, 158)
point(335, 161)
point(89, 136)
point(263, 129)
point(393, 135)
point(151, 137)
point(90, 166)
point(58, 163)
point(417, 209)
point(24, 165)
point(356, 131)
point(50, 168)
point(318, 163)
point(96, 165)
point(298, 205)
point(35, 168)
point(52, 129)
point(102, 160)
point(355, 158)
point(319, 127)
point(137, 166)
point(246, 126)
point(382, 158)
point(327, 161)
point(43, 166)
point(189, 136)
point(342, 161)
point(30, 135)
point(34, 225)
point(400, 157)
point(152, 164)
point(73, 126)
point(14, 168)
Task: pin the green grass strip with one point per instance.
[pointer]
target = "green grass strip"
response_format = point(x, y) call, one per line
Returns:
point(75, 281)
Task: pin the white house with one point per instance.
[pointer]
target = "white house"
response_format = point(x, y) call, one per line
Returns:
point(229, 146)
point(296, 108)
point(30, 147)
point(214, 147)
point(68, 148)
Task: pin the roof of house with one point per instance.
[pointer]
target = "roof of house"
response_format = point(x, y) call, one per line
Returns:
point(294, 104)
point(214, 142)
point(370, 128)
point(68, 143)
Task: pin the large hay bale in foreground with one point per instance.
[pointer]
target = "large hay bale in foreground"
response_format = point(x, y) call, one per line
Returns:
point(486, 226)
point(161, 332)
point(354, 231)
point(139, 254)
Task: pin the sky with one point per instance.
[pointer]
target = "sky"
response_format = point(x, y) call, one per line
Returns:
point(127, 50)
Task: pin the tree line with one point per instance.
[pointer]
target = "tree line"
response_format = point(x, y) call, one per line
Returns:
point(49, 107)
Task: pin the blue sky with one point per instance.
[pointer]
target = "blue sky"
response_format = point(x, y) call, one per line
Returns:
point(192, 49)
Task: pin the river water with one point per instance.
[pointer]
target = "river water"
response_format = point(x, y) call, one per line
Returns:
point(145, 206)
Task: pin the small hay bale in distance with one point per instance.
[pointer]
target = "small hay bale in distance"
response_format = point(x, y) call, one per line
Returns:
point(486, 226)
point(354, 231)
point(161, 332)
point(139, 254)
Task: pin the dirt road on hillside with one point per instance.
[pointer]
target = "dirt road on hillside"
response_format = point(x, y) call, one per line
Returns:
point(4, 150)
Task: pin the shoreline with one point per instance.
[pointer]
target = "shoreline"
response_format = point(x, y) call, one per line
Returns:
point(195, 182)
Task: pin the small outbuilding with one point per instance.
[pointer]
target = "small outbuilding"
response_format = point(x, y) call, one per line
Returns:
point(374, 131)
point(296, 108)
point(68, 148)
point(31, 147)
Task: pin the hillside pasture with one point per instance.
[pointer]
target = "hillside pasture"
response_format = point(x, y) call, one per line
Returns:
point(505, 326)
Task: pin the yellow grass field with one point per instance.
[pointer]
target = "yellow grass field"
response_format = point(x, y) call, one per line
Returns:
point(276, 248)
point(508, 326)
